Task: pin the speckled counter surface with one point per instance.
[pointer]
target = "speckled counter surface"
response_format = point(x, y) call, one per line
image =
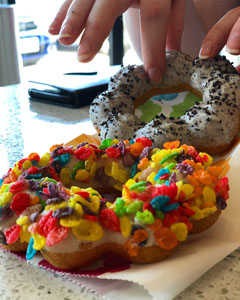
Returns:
point(27, 127)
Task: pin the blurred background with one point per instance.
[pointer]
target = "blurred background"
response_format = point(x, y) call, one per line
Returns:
point(41, 52)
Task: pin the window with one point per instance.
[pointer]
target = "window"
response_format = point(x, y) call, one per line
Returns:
point(40, 51)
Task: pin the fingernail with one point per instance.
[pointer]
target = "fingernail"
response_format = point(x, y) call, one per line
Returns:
point(84, 51)
point(66, 31)
point(51, 28)
point(233, 43)
point(206, 50)
point(232, 51)
point(155, 74)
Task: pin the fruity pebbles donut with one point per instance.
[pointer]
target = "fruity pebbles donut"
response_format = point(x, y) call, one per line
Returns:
point(169, 193)
point(202, 191)
point(211, 125)
point(105, 168)
point(70, 236)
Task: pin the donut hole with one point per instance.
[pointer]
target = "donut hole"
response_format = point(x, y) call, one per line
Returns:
point(172, 102)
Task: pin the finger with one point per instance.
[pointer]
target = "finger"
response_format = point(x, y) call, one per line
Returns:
point(238, 69)
point(55, 26)
point(233, 42)
point(217, 37)
point(176, 24)
point(154, 16)
point(99, 24)
point(75, 20)
point(132, 22)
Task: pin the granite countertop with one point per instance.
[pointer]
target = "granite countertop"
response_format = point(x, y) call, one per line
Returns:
point(27, 127)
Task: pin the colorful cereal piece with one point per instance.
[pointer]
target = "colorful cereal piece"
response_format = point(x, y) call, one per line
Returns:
point(125, 226)
point(12, 234)
point(180, 230)
point(159, 202)
point(5, 198)
point(173, 154)
point(70, 221)
point(88, 230)
point(146, 142)
point(22, 220)
point(46, 224)
point(34, 157)
point(171, 145)
point(24, 234)
point(209, 194)
point(119, 174)
point(131, 248)
point(134, 207)
point(83, 153)
point(120, 207)
point(105, 143)
point(20, 202)
point(54, 207)
point(145, 217)
point(18, 186)
point(165, 238)
point(139, 236)
point(198, 213)
point(90, 217)
point(65, 176)
point(113, 152)
point(27, 164)
point(156, 225)
point(34, 200)
point(30, 250)
point(82, 175)
point(44, 160)
point(93, 203)
point(139, 186)
point(203, 176)
point(39, 241)
point(109, 220)
point(56, 235)
point(136, 149)
point(206, 159)
point(143, 163)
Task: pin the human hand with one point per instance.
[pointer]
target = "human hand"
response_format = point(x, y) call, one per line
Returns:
point(161, 27)
point(225, 32)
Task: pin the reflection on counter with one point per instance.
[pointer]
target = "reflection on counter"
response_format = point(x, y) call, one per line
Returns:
point(27, 127)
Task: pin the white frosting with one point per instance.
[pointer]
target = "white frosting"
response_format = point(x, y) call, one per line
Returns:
point(206, 125)
point(71, 244)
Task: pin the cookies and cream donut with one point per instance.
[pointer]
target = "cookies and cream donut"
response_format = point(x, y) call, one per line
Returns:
point(211, 125)
point(170, 193)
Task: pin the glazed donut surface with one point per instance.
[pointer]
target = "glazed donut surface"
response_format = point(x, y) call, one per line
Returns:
point(211, 125)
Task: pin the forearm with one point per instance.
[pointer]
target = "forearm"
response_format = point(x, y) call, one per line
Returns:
point(210, 11)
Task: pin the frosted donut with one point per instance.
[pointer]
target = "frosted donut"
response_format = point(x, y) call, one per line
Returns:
point(175, 191)
point(206, 125)
point(105, 168)
point(201, 188)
